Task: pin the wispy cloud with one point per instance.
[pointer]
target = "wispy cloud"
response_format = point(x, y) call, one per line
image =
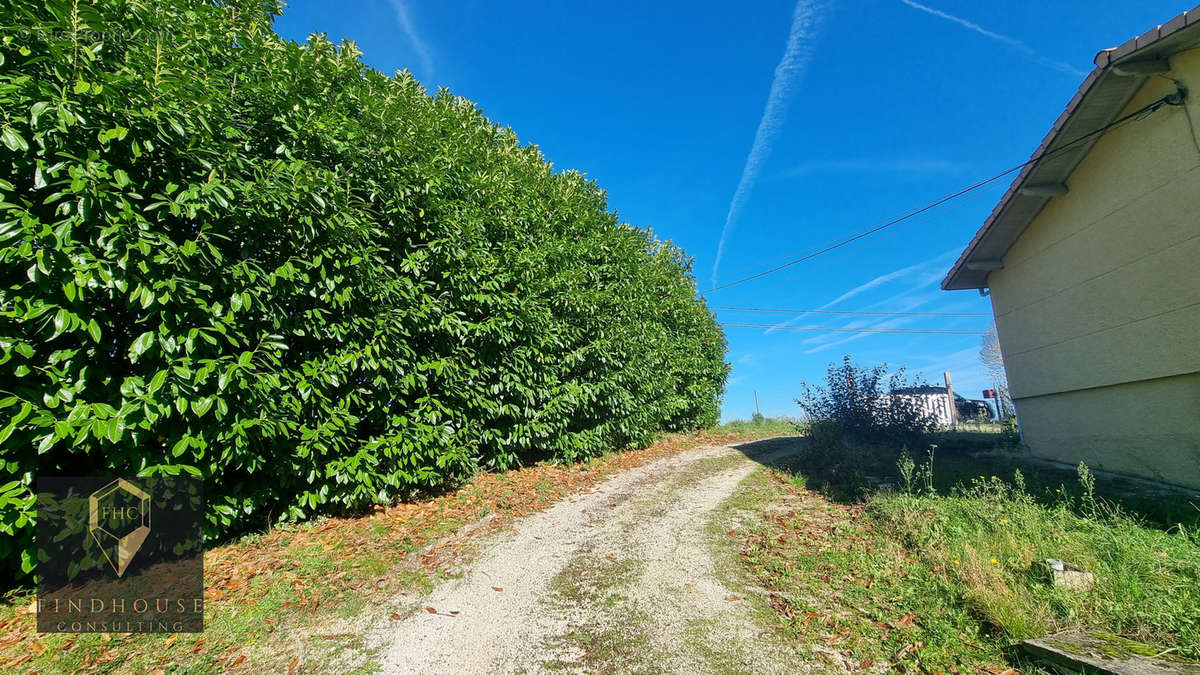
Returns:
point(917, 166)
point(964, 366)
point(904, 301)
point(963, 359)
point(1010, 41)
point(935, 263)
point(890, 323)
point(909, 299)
point(884, 278)
point(410, 31)
point(806, 22)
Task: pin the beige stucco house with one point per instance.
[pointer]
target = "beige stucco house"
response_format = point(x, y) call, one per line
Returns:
point(1092, 262)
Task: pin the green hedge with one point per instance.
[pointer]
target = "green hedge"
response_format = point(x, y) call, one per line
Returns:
point(314, 285)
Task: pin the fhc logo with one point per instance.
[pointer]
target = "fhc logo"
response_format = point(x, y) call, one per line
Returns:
point(120, 555)
point(119, 521)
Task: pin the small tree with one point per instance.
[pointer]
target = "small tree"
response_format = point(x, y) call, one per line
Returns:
point(865, 404)
point(993, 362)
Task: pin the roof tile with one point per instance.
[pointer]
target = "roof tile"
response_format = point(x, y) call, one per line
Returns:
point(1126, 48)
point(1073, 103)
point(1174, 24)
point(1147, 38)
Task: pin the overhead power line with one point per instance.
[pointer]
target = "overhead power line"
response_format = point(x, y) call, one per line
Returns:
point(895, 232)
point(838, 311)
point(829, 329)
point(791, 254)
point(1169, 99)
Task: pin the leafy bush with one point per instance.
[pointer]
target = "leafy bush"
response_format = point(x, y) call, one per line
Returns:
point(855, 403)
point(314, 285)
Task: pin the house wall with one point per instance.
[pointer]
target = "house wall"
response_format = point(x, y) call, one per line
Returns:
point(1098, 304)
point(937, 405)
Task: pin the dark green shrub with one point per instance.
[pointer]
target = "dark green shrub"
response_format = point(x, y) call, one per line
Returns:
point(864, 404)
point(314, 285)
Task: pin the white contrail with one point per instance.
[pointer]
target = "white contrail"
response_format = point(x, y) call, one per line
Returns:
point(877, 281)
point(881, 279)
point(884, 278)
point(418, 45)
point(891, 323)
point(1010, 41)
point(806, 20)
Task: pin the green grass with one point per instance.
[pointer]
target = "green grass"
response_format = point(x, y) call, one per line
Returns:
point(953, 575)
point(991, 539)
point(762, 428)
point(241, 627)
point(853, 472)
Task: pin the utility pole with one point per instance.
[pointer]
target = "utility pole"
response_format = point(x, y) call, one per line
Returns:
point(756, 412)
point(999, 401)
point(950, 396)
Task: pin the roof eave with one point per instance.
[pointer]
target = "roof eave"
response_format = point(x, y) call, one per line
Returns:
point(1100, 99)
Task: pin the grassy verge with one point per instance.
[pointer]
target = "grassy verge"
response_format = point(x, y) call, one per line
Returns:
point(949, 578)
point(766, 427)
point(855, 472)
point(295, 597)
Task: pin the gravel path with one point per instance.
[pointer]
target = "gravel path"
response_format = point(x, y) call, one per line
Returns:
point(622, 578)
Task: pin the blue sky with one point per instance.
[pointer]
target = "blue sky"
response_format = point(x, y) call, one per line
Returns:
point(761, 129)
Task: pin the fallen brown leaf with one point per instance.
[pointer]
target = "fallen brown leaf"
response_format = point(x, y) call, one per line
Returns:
point(395, 616)
point(497, 589)
point(431, 610)
point(16, 662)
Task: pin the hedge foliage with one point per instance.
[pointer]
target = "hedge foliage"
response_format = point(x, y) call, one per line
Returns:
point(314, 285)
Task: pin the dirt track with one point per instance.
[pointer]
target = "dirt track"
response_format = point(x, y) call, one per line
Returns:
point(625, 578)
